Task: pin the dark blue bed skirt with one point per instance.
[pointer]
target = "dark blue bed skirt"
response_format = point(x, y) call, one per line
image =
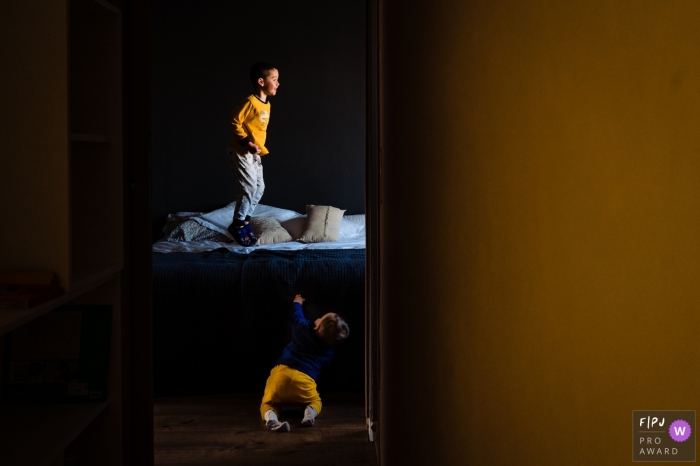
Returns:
point(221, 319)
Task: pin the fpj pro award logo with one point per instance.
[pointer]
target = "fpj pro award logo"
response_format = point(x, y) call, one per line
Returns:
point(663, 436)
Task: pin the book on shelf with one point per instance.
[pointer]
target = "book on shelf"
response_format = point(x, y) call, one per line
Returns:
point(25, 289)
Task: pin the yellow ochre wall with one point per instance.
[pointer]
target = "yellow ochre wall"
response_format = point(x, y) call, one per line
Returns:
point(540, 227)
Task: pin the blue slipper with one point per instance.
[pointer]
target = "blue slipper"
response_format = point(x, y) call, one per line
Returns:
point(240, 235)
point(251, 235)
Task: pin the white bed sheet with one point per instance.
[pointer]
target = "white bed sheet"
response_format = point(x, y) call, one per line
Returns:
point(201, 246)
point(352, 233)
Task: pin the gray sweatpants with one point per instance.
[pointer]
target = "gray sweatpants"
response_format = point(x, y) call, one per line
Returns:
point(247, 168)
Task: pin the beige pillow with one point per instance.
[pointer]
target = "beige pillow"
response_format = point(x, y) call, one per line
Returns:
point(322, 224)
point(295, 226)
point(269, 231)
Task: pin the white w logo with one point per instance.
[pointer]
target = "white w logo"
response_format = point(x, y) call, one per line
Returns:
point(679, 430)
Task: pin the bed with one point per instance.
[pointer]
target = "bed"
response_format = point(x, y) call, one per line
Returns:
point(220, 310)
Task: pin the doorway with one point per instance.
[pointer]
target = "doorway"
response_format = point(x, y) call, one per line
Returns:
point(171, 170)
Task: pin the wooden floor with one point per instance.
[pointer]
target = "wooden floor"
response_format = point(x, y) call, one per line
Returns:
point(227, 430)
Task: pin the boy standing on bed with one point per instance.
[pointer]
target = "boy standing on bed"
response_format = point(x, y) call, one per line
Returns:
point(249, 121)
point(293, 380)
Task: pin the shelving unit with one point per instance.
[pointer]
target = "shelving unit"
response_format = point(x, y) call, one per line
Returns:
point(95, 114)
point(10, 319)
point(41, 420)
point(62, 186)
point(61, 194)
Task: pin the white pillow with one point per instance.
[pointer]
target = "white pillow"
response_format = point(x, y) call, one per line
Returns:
point(349, 228)
point(220, 219)
point(274, 212)
point(357, 218)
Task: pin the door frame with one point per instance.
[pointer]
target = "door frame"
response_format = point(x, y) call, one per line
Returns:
point(137, 344)
point(372, 206)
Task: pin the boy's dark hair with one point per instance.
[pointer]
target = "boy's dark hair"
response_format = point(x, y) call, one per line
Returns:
point(333, 329)
point(260, 70)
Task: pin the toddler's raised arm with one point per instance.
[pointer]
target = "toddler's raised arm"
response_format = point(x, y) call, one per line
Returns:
point(298, 312)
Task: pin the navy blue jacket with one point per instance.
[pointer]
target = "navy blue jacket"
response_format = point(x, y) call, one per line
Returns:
point(306, 352)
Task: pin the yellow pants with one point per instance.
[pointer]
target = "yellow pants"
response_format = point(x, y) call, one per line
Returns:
point(287, 386)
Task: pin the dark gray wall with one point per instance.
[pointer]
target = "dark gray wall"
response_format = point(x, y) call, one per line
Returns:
point(202, 53)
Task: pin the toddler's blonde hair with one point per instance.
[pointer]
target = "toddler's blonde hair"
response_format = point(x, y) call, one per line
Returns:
point(332, 329)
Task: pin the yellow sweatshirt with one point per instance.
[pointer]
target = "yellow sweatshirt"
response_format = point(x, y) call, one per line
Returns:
point(249, 123)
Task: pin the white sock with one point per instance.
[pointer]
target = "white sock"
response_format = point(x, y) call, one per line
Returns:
point(309, 416)
point(273, 423)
